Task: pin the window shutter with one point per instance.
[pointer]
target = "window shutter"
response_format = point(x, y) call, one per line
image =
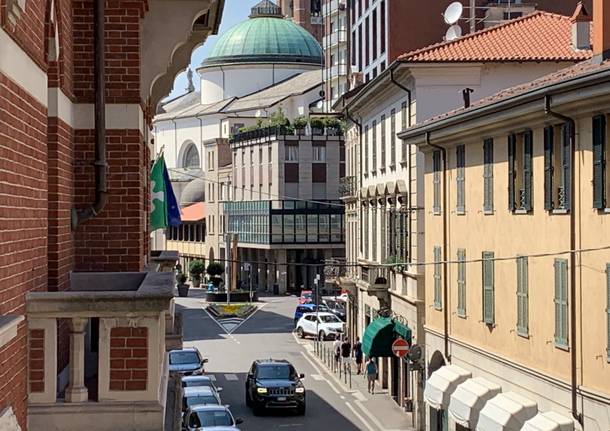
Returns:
point(460, 180)
point(599, 161)
point(548, 168)
point(488, 287)
point(608, 310)
point(438, 304)
point(527, 169)
point(511, 172)
point(436, 162)
point(522, 296)
point(561, 302)
point(488, 175)
point(461, 308)
point(566, 159)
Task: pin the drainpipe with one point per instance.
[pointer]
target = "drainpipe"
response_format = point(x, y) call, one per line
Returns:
point(444, 209)
point(402, 87)
point(101, 182)
point(573, 384)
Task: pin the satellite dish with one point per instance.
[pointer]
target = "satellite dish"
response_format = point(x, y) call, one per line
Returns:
point(453, 32)
point(453, 12)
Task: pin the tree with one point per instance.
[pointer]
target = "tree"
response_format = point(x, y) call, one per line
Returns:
point(215, 269)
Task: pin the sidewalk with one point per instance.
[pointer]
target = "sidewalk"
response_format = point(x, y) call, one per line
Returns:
point(380, 409)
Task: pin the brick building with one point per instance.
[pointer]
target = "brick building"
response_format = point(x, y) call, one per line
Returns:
point(67, 204)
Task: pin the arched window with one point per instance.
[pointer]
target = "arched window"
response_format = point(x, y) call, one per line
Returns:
point(190, 159)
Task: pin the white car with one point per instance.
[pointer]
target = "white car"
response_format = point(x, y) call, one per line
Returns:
point(323, 325)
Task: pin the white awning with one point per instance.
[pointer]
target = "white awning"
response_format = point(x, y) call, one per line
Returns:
point(506, 412)
point(469, 398)
point(441, 384)
point(549, 421)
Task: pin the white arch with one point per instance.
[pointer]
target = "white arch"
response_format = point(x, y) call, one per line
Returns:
point(185, 148)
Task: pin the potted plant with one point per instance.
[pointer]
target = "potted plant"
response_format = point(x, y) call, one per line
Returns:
point(317, 125)
point(333, 125)
point(196, 268)
point(300, 123)
point(183, 288)
point(215, 270)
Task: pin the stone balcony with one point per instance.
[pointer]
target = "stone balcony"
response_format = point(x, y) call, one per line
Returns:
point(117, 352)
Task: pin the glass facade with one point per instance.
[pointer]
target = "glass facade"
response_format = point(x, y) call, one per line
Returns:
point(286, 222)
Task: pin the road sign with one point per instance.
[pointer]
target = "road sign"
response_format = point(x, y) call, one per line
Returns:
point(400, 347)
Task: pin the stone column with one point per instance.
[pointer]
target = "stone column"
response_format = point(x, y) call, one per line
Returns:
point(76, 391)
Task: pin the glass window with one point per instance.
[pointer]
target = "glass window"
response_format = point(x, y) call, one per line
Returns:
point(214, 418)
point(335, 228)
point(276, 228)
point(288, 227)
point(191, 157)
point(324, 227)
point(300, 221)
point(312, 228)
point(319, 153)
point(292, 153)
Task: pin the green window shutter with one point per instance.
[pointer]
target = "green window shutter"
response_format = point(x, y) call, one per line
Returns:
point(460, 178)
point(488, 287)
point(561, 302)
point(566, 162)
point(436, 167)
point(512, 139)
point(548, 168)
point(608, 310)
point(461, 278)
point(522, 296)
point(488, 175)
point(599, 161)
point(438, 302)
point(527, 169)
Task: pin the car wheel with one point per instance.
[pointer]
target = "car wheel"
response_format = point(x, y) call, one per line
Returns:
point(321, 336)
point(300, 332)
point(301, 410)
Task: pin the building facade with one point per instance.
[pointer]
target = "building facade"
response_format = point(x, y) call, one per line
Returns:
point(305, 13)
point(514, 184)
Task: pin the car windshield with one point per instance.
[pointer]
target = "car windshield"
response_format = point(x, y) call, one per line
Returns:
point(307, 295)
point(201, 399)
point(218, 418)
point(275, 372)
point(322, 308)
point(191, 383)
point(329, 319)
point(181, 358)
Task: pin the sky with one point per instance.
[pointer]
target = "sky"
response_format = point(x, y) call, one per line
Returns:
point(235, 11)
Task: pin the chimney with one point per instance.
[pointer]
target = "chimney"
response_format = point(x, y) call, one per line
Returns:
point(601, 30)
point(466, 96)
point(581, 25)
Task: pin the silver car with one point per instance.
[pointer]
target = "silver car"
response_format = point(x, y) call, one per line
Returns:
point(196, 381)
point(187, 361)
point(209, 417)
point(199, 395)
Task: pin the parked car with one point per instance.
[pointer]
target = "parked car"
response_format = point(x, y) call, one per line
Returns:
point(187, 361)
point(306, 297)
point(307, 308)
point(200, 381)
point(324, 325)
point(197, 395)
point(336, 307)
point(210, 417)
point(274, 384)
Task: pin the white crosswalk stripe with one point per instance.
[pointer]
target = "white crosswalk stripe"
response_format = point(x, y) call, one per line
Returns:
point(231, 377)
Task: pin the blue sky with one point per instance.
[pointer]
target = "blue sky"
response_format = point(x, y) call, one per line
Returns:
point(235, 11)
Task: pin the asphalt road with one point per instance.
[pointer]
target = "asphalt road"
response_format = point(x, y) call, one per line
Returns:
point(268, 334)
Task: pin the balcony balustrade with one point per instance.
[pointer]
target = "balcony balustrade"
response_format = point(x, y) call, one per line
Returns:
point(347, 187)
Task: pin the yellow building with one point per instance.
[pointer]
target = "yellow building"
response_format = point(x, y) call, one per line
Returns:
point(512, 184)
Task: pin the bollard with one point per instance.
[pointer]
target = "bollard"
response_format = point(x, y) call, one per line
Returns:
point(350, 376)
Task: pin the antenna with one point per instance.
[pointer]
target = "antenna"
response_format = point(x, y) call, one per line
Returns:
point(453, 32)
point(453, 13)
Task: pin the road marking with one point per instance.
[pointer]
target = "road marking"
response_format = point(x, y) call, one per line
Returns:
point(358, 395)
point(231, 377)
point(289, 425)
point(317, 377)
point(315, 367)
point(359, 416)
point(369, 414)
point(258, 308)
point(212, 377)
point(342, 397)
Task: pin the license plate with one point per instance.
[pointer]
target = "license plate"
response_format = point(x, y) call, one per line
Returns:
point(281, 398)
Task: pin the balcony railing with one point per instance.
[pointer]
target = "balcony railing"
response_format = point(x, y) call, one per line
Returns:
point(338, 36)
point(283, 131)
point(347, 186)
point(374, 275)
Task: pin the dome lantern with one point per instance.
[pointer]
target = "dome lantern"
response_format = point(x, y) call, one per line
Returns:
point(266, 8)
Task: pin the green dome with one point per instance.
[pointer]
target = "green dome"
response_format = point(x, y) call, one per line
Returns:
point(265, 40)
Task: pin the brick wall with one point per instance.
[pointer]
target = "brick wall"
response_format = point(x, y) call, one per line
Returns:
point(13, 377)
point(36, 360)
point(29, 32)
point(128, 358)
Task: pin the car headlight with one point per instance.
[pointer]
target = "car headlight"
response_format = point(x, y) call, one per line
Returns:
point(300, 390)
point(261, 390)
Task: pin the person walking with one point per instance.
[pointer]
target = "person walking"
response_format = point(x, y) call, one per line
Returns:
point(358, 355)
point(337, 350)
point(371, 375)
point(346, 354)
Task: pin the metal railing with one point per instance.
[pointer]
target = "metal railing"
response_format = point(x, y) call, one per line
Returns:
point(374, 275)
point(347, 186)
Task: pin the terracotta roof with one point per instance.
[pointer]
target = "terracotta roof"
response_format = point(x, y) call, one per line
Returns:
point(539, 36)
point(193, 212)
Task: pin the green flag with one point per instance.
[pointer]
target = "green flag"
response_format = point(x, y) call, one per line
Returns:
point(158, 214)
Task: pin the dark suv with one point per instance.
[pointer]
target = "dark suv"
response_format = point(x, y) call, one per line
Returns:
point(274, 384)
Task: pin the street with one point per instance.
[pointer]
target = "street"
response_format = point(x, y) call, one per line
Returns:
point(268, 334)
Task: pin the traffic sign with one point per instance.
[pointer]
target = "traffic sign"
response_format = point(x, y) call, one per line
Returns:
point(400, 347)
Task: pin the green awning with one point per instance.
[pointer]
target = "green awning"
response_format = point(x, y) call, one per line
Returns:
point(380, 334)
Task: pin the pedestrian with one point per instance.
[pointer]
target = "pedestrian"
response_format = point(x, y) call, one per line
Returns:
point(358, 355)
point(337, 349)
point(346, 352)
point(371, 375)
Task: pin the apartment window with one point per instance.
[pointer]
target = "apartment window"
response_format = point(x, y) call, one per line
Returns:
point(354, 43)
point(352, 10)
point(383, 141)
point(374, 72)
point(374, 144)
point(461, 178)
point(366, 233)
point(374, 18)
point(608, 310)
point(557, 165)
point(319, 153)
point(438, 301)
point(461, 282)
point(382, 67)
point(488, 176)
point(520, 148)
point(488, 287)
point(360, 64)
point(367, 33)
point(366, 150)
point(362, 222)
point(522, 296)
point(393, 137)
point(292, 153)
point(403, 125)
point(382, 35)
point(436, 182)
point(383, 233)
point(561, 303)
point(374, 233)
point(600, 185)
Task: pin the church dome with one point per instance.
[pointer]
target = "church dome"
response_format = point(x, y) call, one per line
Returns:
point(266, 37)
point(193, 193)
